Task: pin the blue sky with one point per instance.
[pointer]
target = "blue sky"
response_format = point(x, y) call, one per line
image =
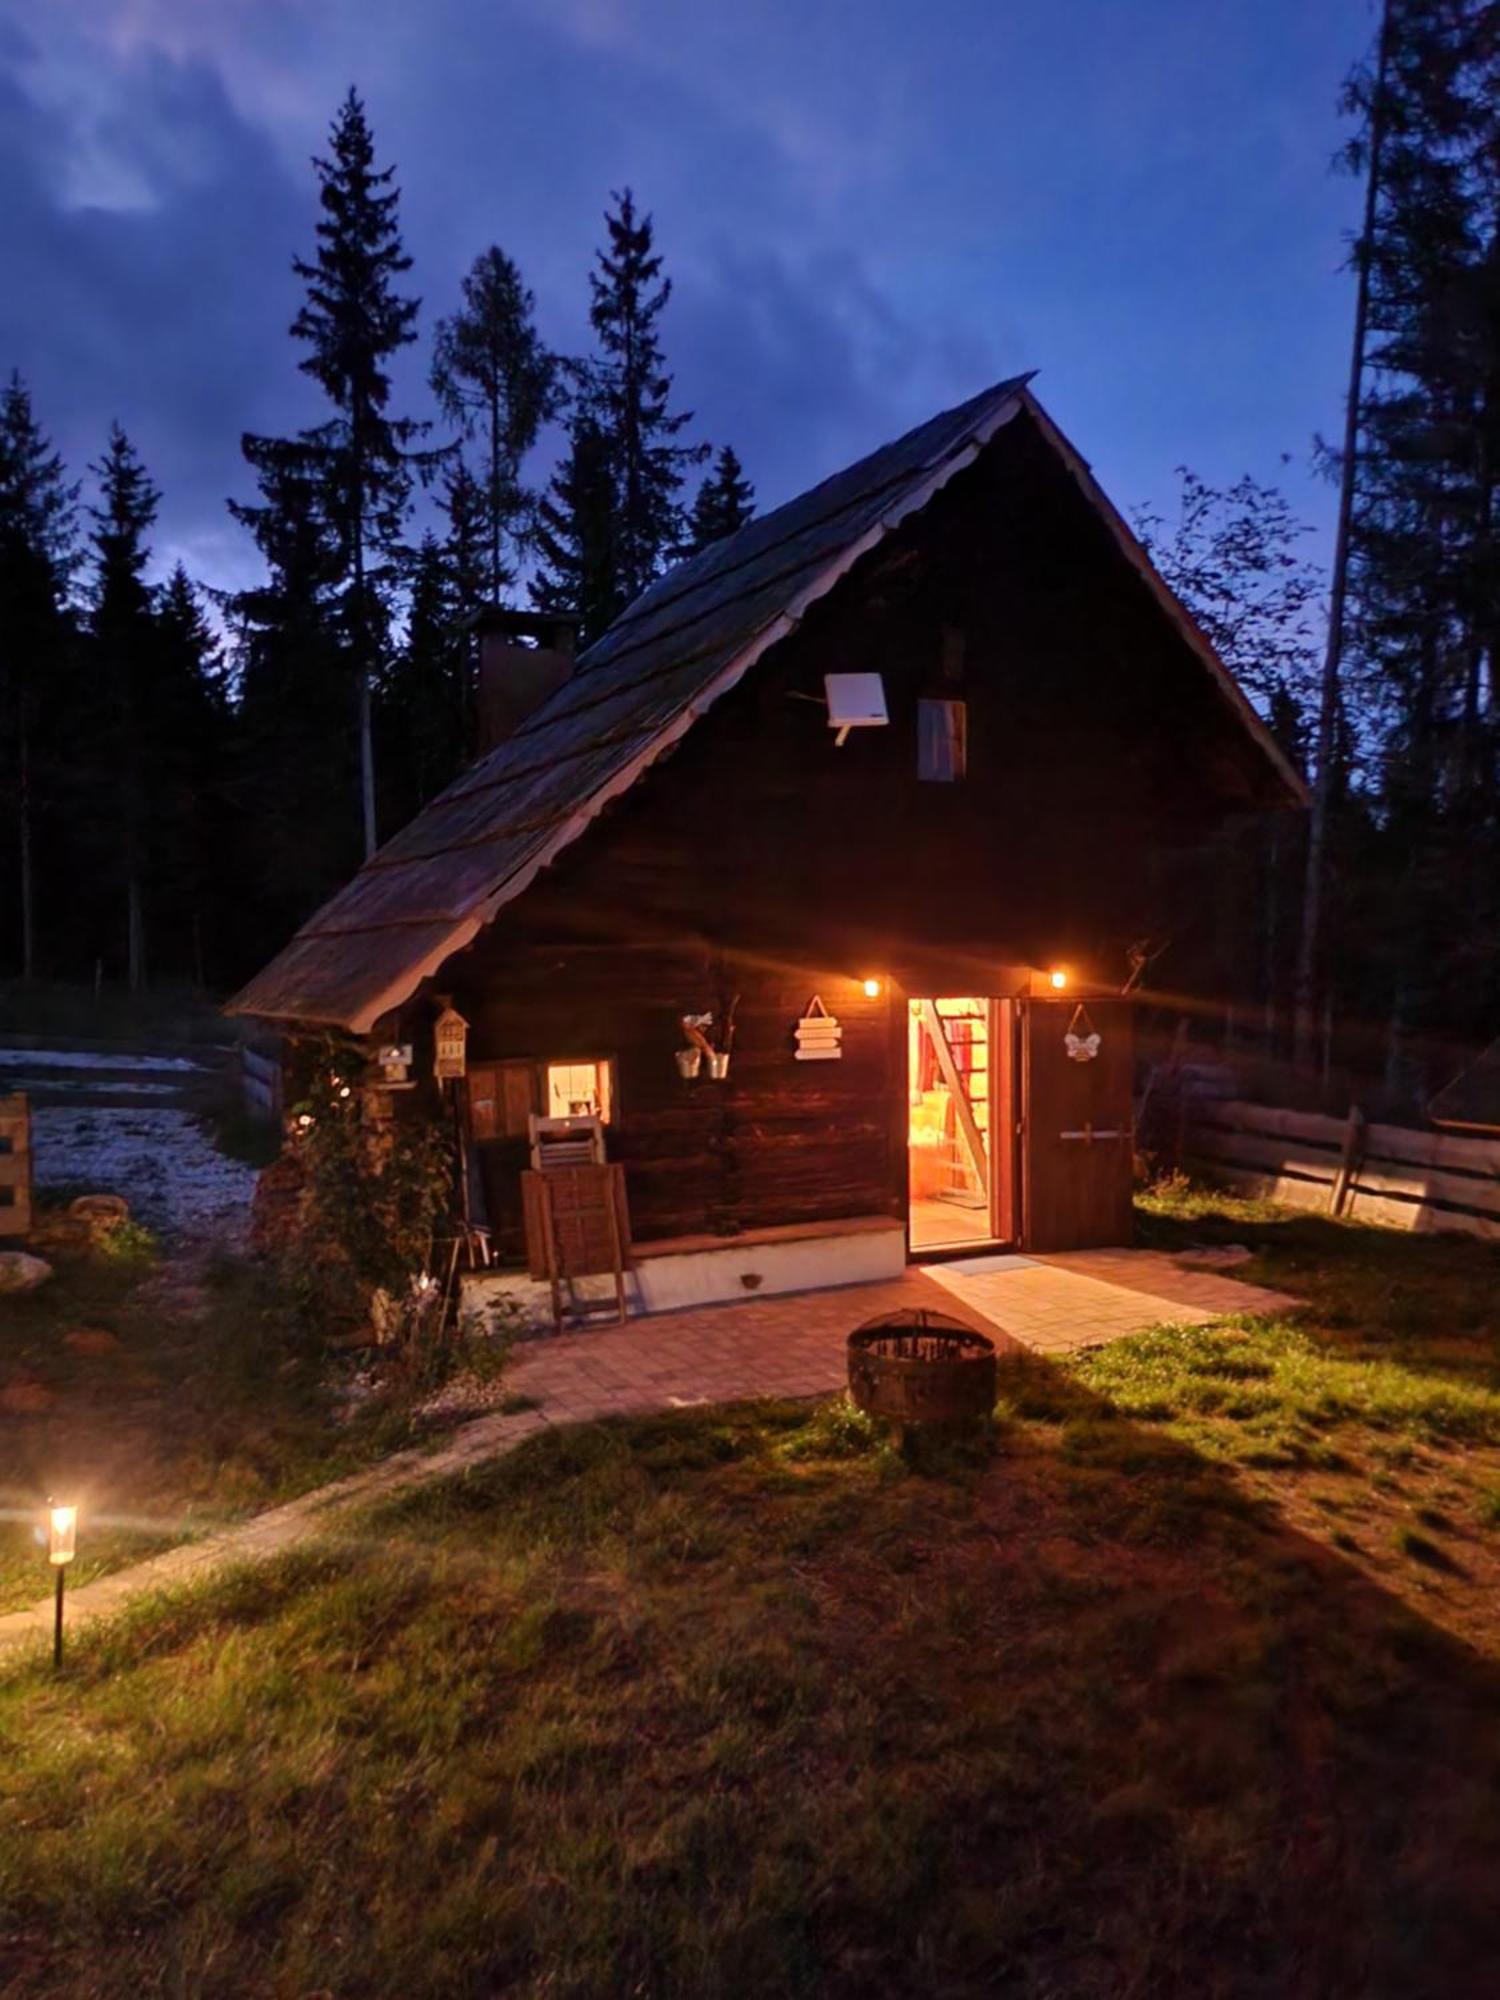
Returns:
point(869, 210)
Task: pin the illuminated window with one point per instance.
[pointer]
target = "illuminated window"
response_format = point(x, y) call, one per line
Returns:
point(942, 740)
point(578, 1090)
point(503, 1097)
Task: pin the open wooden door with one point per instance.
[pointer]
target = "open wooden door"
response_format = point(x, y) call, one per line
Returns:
point(1077, 1135)
point(960, 1123)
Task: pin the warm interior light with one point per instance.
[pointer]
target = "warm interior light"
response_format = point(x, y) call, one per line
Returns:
point(872, 989)
point(60, 1547)
point(1059, 980)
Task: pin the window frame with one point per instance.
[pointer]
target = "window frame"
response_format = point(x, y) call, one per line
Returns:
point(493, 1104)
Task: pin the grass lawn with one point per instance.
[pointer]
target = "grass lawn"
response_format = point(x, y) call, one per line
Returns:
point(165, 1400)
point(1185, 1682)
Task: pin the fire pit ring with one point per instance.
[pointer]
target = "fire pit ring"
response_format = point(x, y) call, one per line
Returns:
point(922, 1367)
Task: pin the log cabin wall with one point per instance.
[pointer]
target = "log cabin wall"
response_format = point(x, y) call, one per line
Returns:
point(759, 859)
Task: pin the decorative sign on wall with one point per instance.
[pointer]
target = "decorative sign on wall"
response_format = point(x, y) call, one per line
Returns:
point(819, 1035)
point(1082, 1038)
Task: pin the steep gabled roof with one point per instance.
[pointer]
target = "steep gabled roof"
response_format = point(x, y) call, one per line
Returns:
point(680, 646)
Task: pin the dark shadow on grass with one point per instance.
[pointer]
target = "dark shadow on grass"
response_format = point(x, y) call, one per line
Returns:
point(1119, 1728)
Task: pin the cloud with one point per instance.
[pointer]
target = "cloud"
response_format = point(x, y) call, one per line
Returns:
point(146, 232)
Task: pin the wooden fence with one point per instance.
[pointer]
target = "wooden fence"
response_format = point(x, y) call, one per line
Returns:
point(1373, 1173)
point(260, 1084)
point(15, 1166)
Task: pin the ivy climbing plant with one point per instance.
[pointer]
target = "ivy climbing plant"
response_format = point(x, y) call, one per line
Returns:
point(376, 1190)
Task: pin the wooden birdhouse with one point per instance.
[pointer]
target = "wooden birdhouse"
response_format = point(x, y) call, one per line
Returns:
point(450, 1036)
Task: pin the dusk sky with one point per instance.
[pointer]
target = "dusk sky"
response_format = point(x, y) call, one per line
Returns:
point(869, 210)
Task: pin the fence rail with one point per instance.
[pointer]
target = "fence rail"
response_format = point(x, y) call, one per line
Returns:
point(260, 1084)
point(1374, 1173)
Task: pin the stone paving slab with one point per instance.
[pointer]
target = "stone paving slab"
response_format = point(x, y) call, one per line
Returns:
point(1084, 1298)
point(789, 1345)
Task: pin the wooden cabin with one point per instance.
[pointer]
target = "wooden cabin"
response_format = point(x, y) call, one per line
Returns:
point(890, 780)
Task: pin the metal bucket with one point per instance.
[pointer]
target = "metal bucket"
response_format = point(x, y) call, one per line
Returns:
point(689, 1062)
point(718, 1065)
point(922, 1368)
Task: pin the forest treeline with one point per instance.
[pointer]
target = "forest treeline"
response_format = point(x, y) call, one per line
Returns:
point(184, 774)
point(1406, 971)
point(181, 780)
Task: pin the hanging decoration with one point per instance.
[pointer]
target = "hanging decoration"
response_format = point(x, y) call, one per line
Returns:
point(819, 1035)
point(394, 1059)
point(1082, 1038)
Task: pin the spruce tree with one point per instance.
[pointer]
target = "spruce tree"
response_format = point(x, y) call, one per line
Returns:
point(113, 776)
point(38, 554)
point(578, 531)
point(1423, 585)
point(354, 321)
point(725, 502)
point(425, 700)
point(627, 389)
point(465, 549)
point(493, 377)
point(191, 827)
point(295, 759)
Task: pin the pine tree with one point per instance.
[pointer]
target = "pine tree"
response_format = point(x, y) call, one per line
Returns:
point(113, 776)
point(494, 378)
point(628, 393)
point(578, 528)
point(725, 502)
point(355, 321)
point(38, 554)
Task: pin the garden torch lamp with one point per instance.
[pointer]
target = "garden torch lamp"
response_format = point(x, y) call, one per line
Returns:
point(62, 1544)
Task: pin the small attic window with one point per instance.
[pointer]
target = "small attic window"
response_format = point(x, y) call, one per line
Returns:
point(942, 741)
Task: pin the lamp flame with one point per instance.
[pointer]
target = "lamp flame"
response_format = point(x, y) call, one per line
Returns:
point(63, 1536)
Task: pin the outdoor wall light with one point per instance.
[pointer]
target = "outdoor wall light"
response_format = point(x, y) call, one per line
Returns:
point(62, 1546)
point(1057, 979)
point(872, 989)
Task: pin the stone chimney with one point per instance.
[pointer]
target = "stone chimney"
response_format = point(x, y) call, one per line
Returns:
point(524, 656)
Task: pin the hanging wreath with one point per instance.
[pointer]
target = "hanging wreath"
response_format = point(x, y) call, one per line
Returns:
point(1082, 1038)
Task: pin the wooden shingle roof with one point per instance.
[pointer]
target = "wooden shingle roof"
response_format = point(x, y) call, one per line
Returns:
point(636, 691)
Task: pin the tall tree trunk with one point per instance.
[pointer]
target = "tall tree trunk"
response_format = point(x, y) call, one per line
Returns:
point(1328, 705)
point(27, 865)
point(362, 671)
point(494, 498)
point(135, 943)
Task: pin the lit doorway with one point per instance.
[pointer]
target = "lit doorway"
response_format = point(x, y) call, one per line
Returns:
point(958, 1179)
